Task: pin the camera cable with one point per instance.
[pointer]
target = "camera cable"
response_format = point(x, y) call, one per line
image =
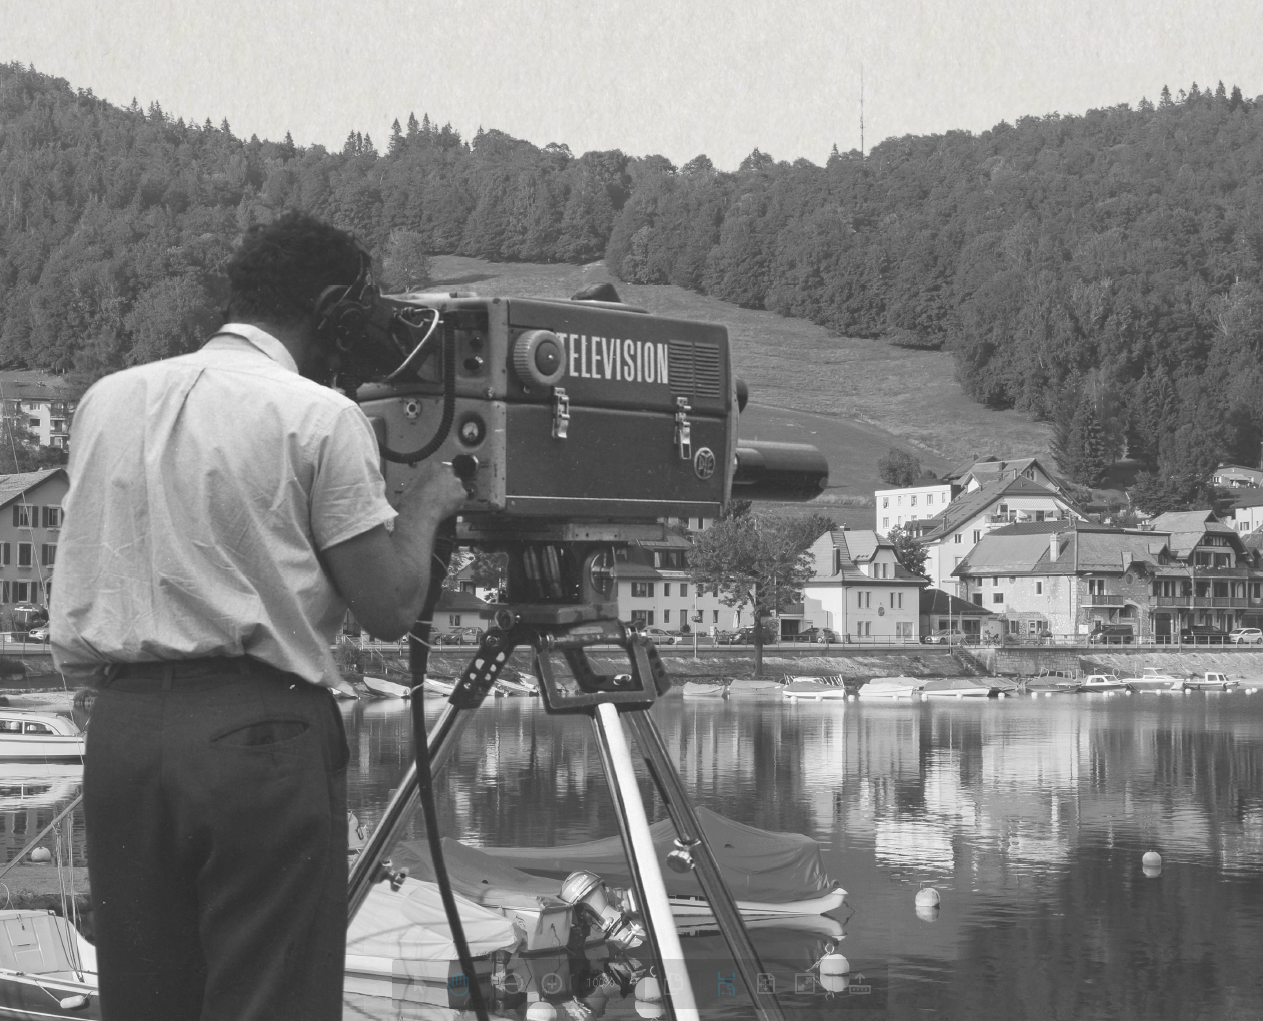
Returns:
point(418, 661)
point(449, 409)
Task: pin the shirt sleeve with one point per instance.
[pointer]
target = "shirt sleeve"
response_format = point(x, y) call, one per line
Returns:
point(348, 493)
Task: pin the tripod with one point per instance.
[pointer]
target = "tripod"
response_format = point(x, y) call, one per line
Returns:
point(608, 701)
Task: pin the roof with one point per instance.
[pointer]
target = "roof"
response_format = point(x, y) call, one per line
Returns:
point(1188, 527)
point(970, 505)
point(461, 601)
point(1079, 551)
point(855, 547)
point(37, 385)
point(1253, 540)
point(13, 486)
point(626, 569)
point(935, 600)
point(1030, 528)
point(1246, 498)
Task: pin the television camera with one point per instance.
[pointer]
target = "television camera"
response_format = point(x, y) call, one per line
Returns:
point(577, 427)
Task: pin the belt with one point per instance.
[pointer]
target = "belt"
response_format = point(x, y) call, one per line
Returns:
point(167, 671)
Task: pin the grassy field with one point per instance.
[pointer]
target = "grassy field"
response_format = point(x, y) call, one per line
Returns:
point(855, 399)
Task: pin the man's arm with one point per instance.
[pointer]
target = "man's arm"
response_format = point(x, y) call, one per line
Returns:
point(384, 576)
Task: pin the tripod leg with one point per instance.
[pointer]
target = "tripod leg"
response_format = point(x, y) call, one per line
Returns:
point(727, 915)
point(659, 920)
point(366, 869)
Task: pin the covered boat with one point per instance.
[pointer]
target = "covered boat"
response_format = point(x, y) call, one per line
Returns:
point(890, 687)
point(1102, 682)
point(1211, 681)
point(706, 689)
point(816, 688)
point(959, 687)
point(768, 873)
point(47, 969)
point(382, 688)
point(1152, 679)
point(39, 736)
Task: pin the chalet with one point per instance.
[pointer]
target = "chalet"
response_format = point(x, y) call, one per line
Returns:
point(858, 588)
point(30, 522)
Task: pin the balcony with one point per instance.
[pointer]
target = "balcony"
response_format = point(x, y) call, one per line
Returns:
point(1204, 602)
point(1101, 599)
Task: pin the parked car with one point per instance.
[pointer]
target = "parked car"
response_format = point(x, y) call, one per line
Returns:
point(1203, 634)
point(1243, 636)
point(1112, 634)
point(658, 636)
point(38, 634)
point(947, 636)
point(818, 635)
point(460, 636)
point(745, 636)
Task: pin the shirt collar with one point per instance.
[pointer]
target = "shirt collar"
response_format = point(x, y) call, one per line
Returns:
point(264, 341)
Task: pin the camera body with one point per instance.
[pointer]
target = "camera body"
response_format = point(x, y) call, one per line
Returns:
point(556, 411)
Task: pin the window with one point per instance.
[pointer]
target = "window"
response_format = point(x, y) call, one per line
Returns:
point(1004, 508)
point(977, 535)
point(1221, 589)
point(929, 499)
point(38, 728)
point(4, 592)
point(885, 522)
point(10, 726)
point(885, 503)
point(25, 551)
point(1012, 580)
point(643, 617)
point(714, 616)
point(24, 516)
point(21, 591)
point(6, 554)
point(1039, 515)
point(1039, 591)
point(52, 517)
point(994, 581)
point(642, 589)
point(34, 423)
point(453, 620)
point(997, 597)
point(912, 502)
point(1256, 590)
point(666, 590)
point(978, 598)
point(48, 554)
point(859, 600)
point(666, 614)
point(1015, 627)
point(684, 588)
point(958, 537)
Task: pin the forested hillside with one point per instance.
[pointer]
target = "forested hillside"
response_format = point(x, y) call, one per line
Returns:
point(1101, 271)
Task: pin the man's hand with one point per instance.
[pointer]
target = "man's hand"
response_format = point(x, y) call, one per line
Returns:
point(383, 575)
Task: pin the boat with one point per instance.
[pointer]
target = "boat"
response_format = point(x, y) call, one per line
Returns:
point(1102, 682)
point(379, 687)
point(815, 688)
point(1151, 679)
point(754, 686)
point(1211, 681)
point(47, 969)
point(1053, 682)
point(769, 874)
point(706, 689)
point(517, 684)
point(437, 687)
point(959, 687)
point(890, 687)
point(34, 735)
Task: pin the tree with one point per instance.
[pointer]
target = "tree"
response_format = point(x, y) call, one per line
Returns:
point(899, 468)
point(758, 559)
point(908, 550)
point(1164, 100)
point(406, 264)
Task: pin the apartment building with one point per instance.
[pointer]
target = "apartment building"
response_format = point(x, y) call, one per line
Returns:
point(898, 507)
point(30, 522)
point(38, 406)
point(654, 589)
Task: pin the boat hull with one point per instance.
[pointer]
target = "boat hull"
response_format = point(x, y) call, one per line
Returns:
point(45, 748)
point(697, 689)
point(379, 687)
point(697, 909)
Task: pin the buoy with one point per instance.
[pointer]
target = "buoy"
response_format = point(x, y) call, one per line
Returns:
point(76, 1002)
point(927, 912)
point(927, 897)
point(1047, 694)
point(1034, 694)
point(835, 983)
point(834, 964)
point(41, 854)
point(648, 990)
point(541, 1010)
point(650, 1009)
point(924, 697)
point(1002, 695)
point(1152, 860)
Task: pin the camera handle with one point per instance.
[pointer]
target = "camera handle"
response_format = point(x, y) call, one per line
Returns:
point(607, 700)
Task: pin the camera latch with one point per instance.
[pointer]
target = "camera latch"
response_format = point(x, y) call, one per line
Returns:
point(561, 412)
point(683, 429)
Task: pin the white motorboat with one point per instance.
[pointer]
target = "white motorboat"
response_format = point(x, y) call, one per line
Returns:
point(1211, 681)
point(890, 687)
point(382, 688)
point(706, 689)
point(1102, 682)
point(33, 735)
point(815, 688)
point(518, 684)
point(1151, 679)
point(959, 687)
point(437, 687)
point(754, 686)
point(47, 969)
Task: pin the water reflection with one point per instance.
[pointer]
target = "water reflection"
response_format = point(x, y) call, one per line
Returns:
point(1030, 816)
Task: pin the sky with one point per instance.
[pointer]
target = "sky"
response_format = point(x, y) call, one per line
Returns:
point(644, 76)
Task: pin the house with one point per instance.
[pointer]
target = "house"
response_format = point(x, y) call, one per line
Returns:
point(30, 522)
point(1073, 577)
point(37, 405)
point(977, 474)
point(1246, 512)
point(859, 589)
point(949, 536)
point(457, 610)
point(1237, 476)
point(896, 507)
point(654, 588)
point(941, 611)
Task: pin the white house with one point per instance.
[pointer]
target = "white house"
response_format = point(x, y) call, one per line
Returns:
point(1237, 476)
point(971, 477)
point(950, 536)
point(859, 590)
point(896, 507)
point(1247, 510)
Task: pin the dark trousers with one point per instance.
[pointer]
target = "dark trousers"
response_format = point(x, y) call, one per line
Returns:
point(215, 803)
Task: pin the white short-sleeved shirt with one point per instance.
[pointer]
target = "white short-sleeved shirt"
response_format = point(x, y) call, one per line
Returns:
point(202, 490)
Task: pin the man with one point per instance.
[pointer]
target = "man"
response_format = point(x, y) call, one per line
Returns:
point(224, 509)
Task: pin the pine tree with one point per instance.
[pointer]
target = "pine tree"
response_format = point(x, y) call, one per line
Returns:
point(1145, 105)
point(223, 126)
point(426, 129)
point(366, 146)
point(1235, 100)
point(413, 126)
point(1221, 94)
point(1164, 100)
point(396, 139)
point(1194, 94)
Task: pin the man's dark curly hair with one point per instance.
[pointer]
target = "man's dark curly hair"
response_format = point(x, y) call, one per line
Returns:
point(281, 267)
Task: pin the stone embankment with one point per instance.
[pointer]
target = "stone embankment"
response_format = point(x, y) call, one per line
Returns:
point(1237, 663)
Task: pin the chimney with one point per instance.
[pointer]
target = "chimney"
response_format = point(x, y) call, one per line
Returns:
point(1054, 542)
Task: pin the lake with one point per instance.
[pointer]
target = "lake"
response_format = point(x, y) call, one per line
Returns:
point(1029, 816)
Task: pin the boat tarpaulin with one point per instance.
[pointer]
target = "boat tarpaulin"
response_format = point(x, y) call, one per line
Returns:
point(757, 865)
point(475, 874)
